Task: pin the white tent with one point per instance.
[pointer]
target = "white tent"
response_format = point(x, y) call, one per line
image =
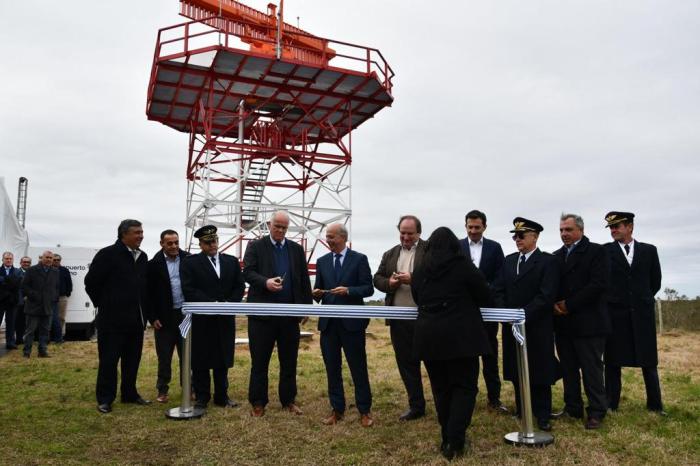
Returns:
point(13, 237)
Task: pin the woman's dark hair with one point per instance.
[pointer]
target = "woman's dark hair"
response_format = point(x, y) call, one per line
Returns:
point(443, 247)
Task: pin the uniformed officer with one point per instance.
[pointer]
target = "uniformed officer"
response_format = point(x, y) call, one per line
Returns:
point(635, 278)
point(529, 279)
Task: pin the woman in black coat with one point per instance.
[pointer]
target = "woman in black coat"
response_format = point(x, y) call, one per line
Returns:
point(450, 334)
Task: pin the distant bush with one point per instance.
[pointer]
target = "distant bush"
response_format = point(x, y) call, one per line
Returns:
point(679, 314)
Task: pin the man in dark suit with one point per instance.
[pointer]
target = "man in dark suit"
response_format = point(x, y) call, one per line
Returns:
point(276, 270)
point(581, 320)
point(529, 280)
point(487, 256)
point(212, 277)
point(635, 279)
point(116, 284)
point(10, 281)
point(40, 286)
point(166, 298)
point(24, 264)
point(343, 276)
point(65, 288)
point(393, 277)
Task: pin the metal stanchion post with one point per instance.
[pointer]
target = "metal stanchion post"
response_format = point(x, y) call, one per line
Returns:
point(527, 435)
point(186, 410)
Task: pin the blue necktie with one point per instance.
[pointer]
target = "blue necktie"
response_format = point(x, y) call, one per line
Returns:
point(336, 267)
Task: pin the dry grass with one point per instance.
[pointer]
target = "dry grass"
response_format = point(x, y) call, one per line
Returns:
point(48, 416)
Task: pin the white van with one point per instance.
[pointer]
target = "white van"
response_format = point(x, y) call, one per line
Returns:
point(80, 314)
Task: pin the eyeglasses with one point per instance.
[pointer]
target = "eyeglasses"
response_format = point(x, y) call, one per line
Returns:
point(519, 235)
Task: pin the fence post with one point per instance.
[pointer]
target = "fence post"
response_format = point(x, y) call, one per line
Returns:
point(661, 316)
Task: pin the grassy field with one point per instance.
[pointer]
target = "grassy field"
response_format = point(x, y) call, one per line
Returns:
point(48, 416)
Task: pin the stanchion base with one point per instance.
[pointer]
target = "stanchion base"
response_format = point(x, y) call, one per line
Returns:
point(179, 414)
point(539, 439)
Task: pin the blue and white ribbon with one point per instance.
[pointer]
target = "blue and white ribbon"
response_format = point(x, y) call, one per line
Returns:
point(343, 311)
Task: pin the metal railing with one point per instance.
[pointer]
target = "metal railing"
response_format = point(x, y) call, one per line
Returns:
point(214, 32)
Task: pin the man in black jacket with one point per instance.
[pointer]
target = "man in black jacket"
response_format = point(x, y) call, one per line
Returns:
point(581, 320)
point(40, 287)
point(116, 284)
point(487, 256)
point(276, 270)
point(65, 288)
point(212, 277)
point(529, 280)
point(635, 279)
point(10, 280)
point(166, 298)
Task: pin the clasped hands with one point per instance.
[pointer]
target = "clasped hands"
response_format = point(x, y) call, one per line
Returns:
point(560, 308)
point(338, 290)
point(399, 278)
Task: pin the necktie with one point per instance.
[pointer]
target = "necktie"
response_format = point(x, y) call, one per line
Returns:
point(627, 249)
point(213, 260)
point(336, 266)
point(278, 244)
point(520, 263)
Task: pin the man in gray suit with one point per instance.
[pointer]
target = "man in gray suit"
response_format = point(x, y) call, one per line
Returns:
point(394, 278)
point(40, 288)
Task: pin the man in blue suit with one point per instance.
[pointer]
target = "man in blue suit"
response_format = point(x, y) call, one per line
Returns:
point(343, 277)
point(487, 256)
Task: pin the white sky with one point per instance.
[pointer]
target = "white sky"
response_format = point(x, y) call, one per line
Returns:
point(515, 108)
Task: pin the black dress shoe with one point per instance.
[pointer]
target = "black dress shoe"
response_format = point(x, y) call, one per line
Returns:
point(104, 408)
point(44, 355)
point(410, 415)
point(593, 423)
point(451, 452)
point(229, 403)
point(498, 407)
point(138, 401)
point(200, 404)
point(564, 413)
point(544, 425)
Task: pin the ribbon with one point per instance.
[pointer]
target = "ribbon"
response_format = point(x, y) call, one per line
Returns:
point(342, 311)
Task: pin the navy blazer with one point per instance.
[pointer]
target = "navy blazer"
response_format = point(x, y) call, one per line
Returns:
point(356, 275)
point(491, 257)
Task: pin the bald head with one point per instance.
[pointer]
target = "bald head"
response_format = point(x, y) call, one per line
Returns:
point(278, 225)
point(336, 237)
point(47, 258)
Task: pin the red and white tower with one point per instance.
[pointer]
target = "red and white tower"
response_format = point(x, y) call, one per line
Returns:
point(269, 110)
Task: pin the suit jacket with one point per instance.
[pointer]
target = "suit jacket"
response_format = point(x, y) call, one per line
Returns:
point(213, 337)
point(65, 282)
point(9, 287)
point(449, 323)
point(160, 291)
point(41, 289)
point(584, 280)
point(387, 267)
point(631, 306)
point(117, 286)
point(534, 289)
point(356, 275)
point(259, 266)
point(491, 257)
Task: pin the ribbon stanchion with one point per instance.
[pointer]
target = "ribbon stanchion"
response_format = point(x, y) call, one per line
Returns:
point(527, 436)
point(186, 410)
